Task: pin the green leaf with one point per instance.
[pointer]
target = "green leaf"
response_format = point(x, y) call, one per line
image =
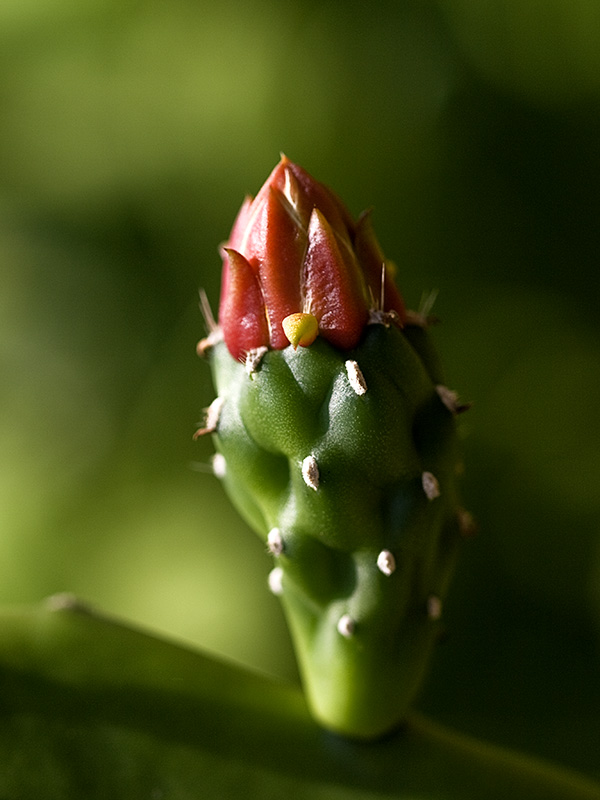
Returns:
point(92, 708)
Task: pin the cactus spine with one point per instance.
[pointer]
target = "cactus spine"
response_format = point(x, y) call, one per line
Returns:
point(338, 446)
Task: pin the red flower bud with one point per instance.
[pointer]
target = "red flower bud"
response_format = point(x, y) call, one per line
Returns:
point(296, 249)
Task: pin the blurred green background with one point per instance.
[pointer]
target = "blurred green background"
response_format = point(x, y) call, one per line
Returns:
point(130, 132)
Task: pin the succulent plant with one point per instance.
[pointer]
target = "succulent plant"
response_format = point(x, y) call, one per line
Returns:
point(336, 439)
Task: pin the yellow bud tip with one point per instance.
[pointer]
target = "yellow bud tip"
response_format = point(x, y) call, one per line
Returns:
point(301, 329)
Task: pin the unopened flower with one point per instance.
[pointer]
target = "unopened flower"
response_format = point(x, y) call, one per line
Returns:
point(296, 254)
point(337, 441)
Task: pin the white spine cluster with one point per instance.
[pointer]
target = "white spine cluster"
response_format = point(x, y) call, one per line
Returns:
point(355, 377)
point(219, 465)
point(310, 472)
point(431, 486)
point(346, 626)
point(253, 359)
point(276, 581)
point(434, 607)
point(275, 542)
point(211, 417)
point(386, 562)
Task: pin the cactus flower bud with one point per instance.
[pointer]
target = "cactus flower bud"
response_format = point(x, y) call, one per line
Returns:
point(295, 249)
point(336, 440)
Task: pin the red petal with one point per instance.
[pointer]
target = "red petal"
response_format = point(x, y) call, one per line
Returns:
point(242, 313)
point(333, 287)
point(275, 247)
point(317, 195)
point(237, 231)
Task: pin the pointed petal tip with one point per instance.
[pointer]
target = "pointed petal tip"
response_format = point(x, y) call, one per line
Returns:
point(242, 313)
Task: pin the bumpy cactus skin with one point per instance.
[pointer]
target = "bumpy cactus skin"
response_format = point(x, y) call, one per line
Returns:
point(345, 463)
point(363, 637)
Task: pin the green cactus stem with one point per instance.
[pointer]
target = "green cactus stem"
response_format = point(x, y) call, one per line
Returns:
point(340, 450)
